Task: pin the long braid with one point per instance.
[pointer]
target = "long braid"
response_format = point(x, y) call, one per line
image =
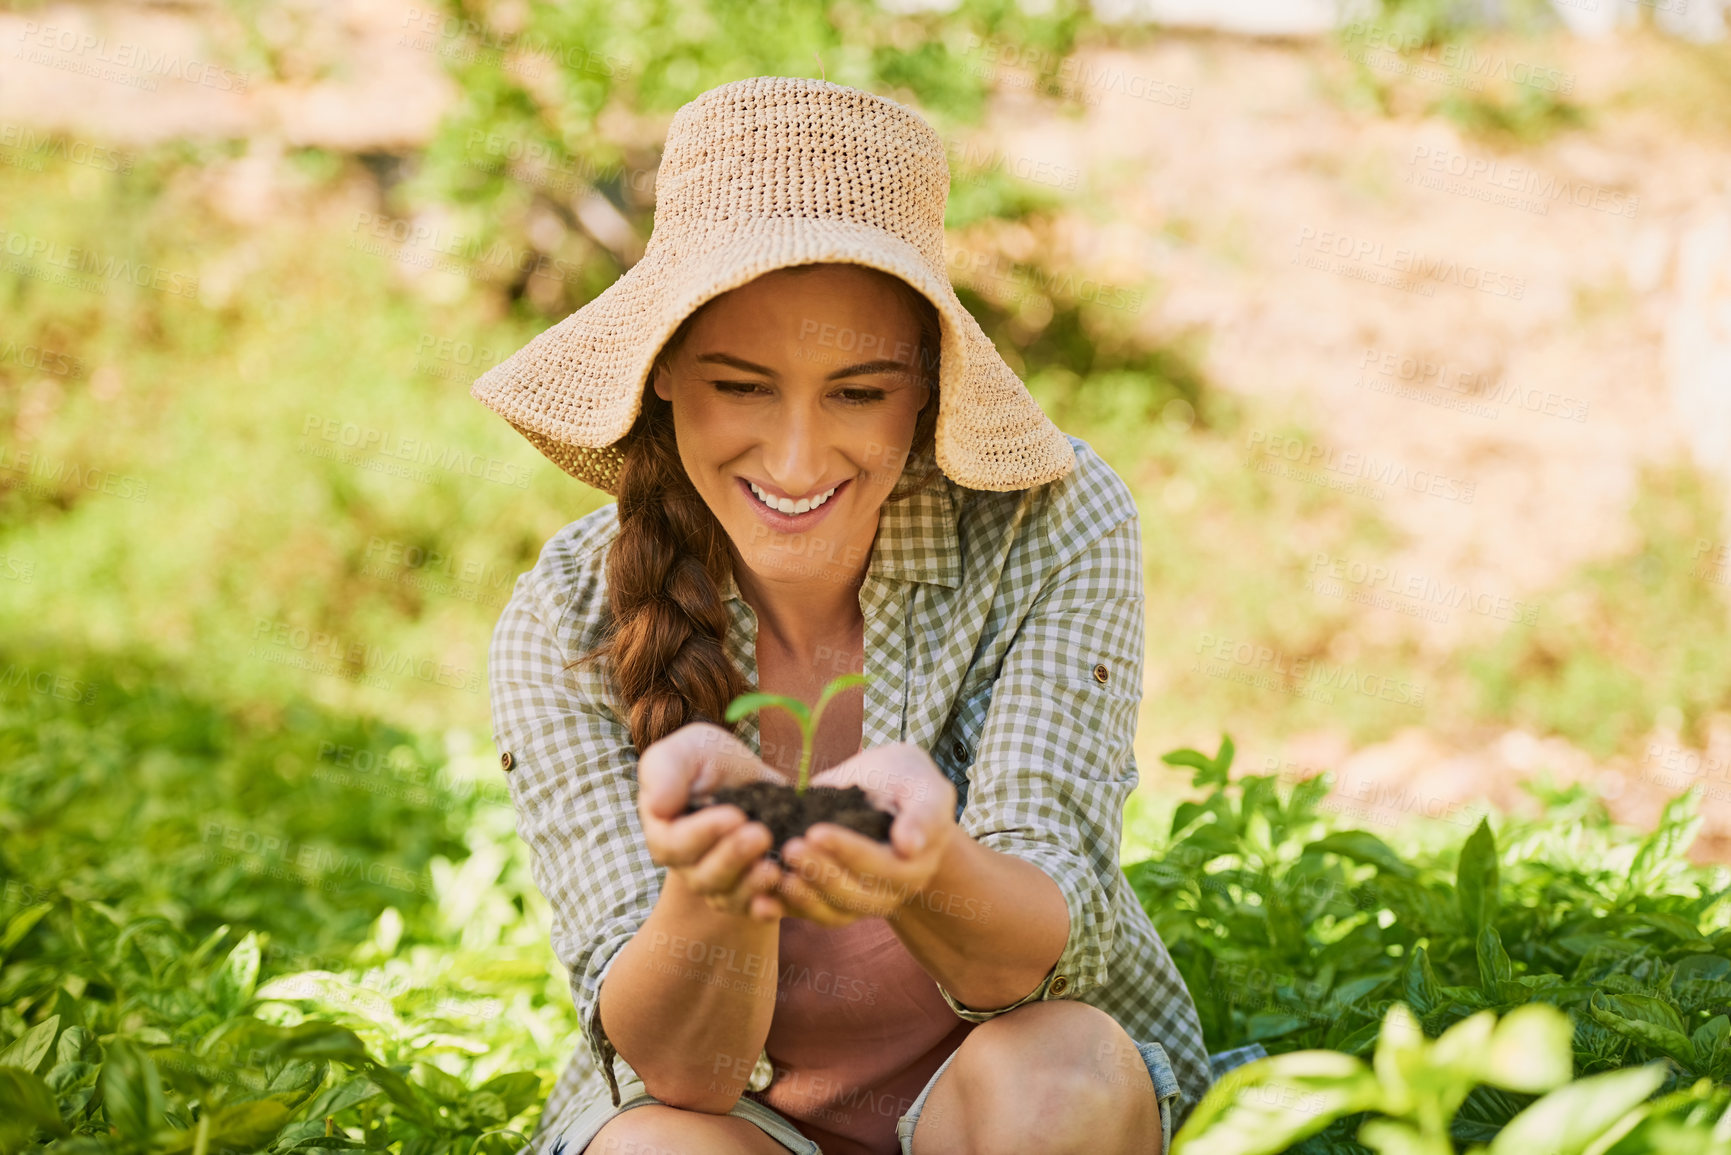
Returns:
point(664, 576)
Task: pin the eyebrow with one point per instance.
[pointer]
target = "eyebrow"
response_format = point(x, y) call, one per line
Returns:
point(864, 367)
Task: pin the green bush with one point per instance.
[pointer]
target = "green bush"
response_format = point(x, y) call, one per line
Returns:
point(1298, 932)
point(292, 929)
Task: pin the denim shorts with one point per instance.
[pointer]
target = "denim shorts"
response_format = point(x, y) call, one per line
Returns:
point(579, 1132)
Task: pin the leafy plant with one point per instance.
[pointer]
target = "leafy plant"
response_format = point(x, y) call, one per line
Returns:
point(806, 717)
point(1297, 932)
point(1411, 1093)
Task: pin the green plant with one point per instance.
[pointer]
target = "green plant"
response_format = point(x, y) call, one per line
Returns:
point(1411, 1093)
point(806, 717)
point(1296, 931)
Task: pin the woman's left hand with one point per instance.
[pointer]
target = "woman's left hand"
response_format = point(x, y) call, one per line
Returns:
point(838, 875)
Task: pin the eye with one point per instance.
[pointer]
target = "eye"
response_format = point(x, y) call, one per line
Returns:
point(736, 388)
point(860, 396)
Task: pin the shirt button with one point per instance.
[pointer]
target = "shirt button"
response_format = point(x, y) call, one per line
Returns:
point(1060, 984)
point(959, 748)
point(506, 761)
point(1100, 673)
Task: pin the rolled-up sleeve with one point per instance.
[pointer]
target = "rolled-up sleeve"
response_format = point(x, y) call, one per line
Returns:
point(573, 775)
point(1055, 761)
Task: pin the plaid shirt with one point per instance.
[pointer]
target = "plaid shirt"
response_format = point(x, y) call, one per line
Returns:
point(1005, 635)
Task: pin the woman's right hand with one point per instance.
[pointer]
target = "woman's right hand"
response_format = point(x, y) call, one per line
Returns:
point(715, 853)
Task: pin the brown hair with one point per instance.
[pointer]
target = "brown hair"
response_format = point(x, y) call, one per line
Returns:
point(665, 570)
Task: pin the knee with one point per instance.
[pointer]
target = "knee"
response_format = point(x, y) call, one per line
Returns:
point(653, 1129)
point(1052, 1081)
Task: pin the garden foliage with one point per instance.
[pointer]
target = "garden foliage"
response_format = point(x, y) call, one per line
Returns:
point(1298, 932)
point(305, 932)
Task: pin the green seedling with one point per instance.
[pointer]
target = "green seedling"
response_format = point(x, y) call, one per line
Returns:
point(807, 717)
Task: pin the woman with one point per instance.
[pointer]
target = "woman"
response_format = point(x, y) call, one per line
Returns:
point(822, 466)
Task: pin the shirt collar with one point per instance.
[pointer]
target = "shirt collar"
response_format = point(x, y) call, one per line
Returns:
point(917, 538)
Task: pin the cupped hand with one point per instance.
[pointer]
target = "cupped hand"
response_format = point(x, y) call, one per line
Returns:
point(715, 853)
point(837, 875)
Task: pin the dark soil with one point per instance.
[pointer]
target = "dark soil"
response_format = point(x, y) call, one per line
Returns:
point(788, 813)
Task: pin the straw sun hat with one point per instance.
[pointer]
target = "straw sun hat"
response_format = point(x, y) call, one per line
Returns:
point(756, 175)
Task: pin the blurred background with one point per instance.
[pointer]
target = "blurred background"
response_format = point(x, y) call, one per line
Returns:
point(1409, 323)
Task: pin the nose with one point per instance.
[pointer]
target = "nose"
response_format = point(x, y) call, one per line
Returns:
point(794, 449)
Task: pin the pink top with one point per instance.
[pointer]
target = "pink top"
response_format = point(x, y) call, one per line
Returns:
point(859, 1028)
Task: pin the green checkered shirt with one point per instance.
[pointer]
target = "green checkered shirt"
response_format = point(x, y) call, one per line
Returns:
point(1004, 632)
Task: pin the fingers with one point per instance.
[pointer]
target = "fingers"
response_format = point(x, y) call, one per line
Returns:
point(802, 900)
point(898, 776)
point(693, 759)
point(744, 898)
point(684, 841)
point(768, 908)
point(724, 868)
point(915, 831)
point(841, 888)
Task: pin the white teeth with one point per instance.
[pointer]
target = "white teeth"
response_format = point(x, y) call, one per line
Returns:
point(787, 504)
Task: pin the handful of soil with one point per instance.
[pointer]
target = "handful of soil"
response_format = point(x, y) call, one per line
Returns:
point(789, 813)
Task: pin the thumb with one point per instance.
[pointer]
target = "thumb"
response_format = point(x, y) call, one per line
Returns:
point(664, 776)
point(908, 835)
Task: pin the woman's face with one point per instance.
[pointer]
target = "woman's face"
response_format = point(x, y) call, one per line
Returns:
point(802, 385)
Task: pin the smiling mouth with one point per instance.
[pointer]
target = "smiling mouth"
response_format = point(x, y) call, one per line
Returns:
point(788, 506)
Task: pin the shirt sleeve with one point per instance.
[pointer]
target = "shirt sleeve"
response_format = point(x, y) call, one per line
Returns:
point(573, 777)
point(1055, 761)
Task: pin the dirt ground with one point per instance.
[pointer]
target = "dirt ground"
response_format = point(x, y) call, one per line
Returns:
point(1602, 343)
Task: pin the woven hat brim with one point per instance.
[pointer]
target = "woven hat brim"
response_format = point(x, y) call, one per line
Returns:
point(575, 390)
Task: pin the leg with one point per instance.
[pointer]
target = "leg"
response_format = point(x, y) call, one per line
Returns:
point(657, 1129)
point(1048, 1078)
